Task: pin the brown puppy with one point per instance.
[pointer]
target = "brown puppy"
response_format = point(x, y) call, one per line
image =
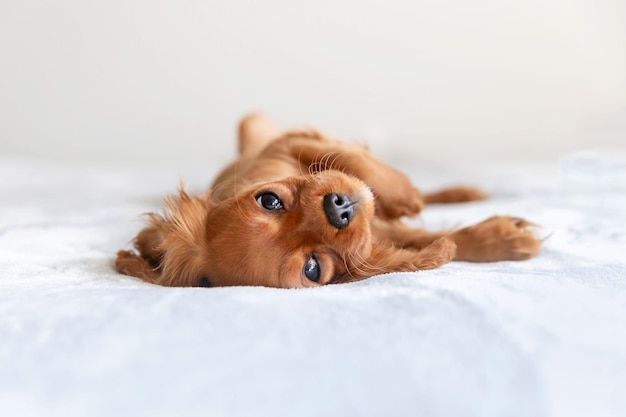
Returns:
point(297, 209)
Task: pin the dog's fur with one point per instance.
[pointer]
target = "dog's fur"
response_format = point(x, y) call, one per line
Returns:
point(297, 209)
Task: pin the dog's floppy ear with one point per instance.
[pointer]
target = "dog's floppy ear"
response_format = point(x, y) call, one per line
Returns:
point(172, 246)
point(255, 132)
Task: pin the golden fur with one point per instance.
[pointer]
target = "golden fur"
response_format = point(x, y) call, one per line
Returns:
point(297, 209)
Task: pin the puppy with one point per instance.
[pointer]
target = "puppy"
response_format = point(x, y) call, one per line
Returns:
point(297, 209)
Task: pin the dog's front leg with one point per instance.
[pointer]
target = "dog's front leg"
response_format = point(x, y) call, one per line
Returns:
point(498, 238)
point(385, 258)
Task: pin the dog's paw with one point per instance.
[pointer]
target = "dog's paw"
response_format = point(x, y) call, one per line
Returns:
point(134, 265)
point(498, 238)
point(398, 200)
point(438, 253)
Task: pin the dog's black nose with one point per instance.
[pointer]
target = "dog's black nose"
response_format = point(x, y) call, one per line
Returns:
point(339, 209)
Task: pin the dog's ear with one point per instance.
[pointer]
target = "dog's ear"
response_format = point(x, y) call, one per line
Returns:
point(172, 246)
point(255, 132)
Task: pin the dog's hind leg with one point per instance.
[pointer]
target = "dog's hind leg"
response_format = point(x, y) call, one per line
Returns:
point(459, 194)
point(255, 133)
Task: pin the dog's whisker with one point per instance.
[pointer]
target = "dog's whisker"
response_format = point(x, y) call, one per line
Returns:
point(360, 265)
point(333, 165)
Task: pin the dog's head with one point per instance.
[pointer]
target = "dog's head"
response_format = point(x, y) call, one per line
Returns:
point(298, 232)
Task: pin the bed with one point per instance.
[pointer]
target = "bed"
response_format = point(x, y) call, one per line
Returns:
point(545, 337)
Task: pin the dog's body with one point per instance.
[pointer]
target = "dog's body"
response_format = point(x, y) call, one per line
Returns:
point(300, 210)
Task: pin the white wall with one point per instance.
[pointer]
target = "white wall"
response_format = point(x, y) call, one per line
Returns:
point(433, 80)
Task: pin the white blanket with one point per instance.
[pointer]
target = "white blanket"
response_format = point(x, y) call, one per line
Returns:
point(546, 337)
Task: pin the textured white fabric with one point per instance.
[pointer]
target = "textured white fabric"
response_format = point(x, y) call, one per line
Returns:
point(546, 337)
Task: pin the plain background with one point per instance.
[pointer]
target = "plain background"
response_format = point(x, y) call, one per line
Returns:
point(436, 81)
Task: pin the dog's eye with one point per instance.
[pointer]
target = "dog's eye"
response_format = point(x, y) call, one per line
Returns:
point(269, 201)
point(312, 269)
